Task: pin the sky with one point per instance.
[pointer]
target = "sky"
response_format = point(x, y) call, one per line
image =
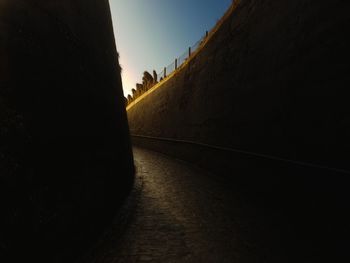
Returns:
point(150, 34)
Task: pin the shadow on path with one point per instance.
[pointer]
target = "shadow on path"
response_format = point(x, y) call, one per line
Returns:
point(178, 213)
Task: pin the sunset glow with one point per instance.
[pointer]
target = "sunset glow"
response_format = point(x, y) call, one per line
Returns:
point(150, 34)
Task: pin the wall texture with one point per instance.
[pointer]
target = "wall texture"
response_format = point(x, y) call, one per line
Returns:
point(65, 158)
point(272, 80)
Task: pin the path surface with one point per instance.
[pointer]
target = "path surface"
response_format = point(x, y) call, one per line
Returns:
point(182, 214)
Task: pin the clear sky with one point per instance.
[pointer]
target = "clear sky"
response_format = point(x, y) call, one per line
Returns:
point(150, 34)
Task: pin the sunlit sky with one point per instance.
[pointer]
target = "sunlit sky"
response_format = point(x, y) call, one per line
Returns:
point(150, 34)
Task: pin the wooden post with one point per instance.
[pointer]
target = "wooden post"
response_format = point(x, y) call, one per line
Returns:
point(189, 51)
point(206, 34)
point(176, 64)
point(164, 72)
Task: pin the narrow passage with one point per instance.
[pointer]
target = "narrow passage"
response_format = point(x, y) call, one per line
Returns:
point(183, 214)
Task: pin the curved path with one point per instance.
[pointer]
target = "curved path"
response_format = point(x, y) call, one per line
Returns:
point(182, 214)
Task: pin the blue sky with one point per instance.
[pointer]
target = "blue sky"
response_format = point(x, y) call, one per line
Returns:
point(150, 34)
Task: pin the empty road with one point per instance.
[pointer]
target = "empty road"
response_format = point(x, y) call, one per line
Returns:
point(178, 213)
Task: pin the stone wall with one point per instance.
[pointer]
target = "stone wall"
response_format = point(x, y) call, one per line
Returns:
point(272, 80)
point(66, 161)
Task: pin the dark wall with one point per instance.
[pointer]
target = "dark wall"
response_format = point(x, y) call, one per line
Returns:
point(273, 79)
point(65, 161)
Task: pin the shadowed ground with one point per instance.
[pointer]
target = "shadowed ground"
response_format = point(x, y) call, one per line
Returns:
point(181, 214)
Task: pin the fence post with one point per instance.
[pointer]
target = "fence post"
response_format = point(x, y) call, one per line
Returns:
point(206, 33)
point(189, 51)
point(175, 63)
point(164, 72)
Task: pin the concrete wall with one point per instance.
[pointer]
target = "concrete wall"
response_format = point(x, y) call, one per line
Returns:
point(272, 80)
point(65, 158)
